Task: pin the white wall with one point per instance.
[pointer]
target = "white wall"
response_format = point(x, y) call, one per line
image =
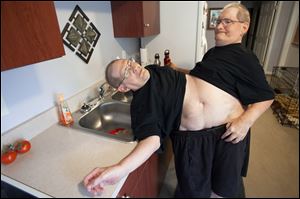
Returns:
point(28, 91)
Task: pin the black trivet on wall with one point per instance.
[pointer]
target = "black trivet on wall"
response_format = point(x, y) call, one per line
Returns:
point(80, 35)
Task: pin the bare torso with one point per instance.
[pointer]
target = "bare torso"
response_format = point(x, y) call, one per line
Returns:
point(206, 106)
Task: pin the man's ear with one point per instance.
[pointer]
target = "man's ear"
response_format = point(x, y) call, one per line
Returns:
point(245, 27)
point(123, 89)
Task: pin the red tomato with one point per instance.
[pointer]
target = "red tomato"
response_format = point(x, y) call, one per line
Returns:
point(8, 157)
point(23, 146)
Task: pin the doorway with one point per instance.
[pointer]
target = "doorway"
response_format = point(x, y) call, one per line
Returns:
point(254, 8)
point(262, 19)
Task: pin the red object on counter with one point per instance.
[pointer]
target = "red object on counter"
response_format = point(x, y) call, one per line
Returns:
point(23, 146)
point(8, 157)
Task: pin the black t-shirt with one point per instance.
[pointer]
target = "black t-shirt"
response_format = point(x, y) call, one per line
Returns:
point(156, 107)
point(235, 70)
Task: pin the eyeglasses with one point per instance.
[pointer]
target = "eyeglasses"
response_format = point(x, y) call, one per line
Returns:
point(126, 72)
point(226, 21)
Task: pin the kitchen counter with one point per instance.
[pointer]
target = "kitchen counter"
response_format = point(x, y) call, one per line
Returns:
point(59, 159)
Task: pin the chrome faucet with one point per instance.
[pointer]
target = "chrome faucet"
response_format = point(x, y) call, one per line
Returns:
point(105, 89)
point(101, 90)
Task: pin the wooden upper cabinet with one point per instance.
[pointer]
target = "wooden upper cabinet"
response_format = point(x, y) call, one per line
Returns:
point(29, 33)
point(135, 18)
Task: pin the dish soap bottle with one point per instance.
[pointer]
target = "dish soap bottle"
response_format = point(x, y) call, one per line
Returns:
point(65, 116)
point(156, 59)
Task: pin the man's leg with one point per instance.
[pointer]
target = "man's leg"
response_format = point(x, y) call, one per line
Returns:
point(193, 155)
point(241, 193)
point(227, 176)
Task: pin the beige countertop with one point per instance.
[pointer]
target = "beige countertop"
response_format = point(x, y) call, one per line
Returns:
point(59, 159)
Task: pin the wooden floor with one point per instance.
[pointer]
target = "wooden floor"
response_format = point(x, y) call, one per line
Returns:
point(274, 161)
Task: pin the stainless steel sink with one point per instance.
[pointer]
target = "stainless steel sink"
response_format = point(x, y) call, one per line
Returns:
point(110, 118)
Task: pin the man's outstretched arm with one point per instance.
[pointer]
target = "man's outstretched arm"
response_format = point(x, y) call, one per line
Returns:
point(99, 177)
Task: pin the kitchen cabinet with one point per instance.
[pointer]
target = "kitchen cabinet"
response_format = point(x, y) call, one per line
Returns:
point(135, 18)
point(146, 180)
point(29, 33)
point(143, 181)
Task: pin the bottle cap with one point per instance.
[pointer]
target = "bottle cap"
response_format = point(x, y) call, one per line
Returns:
point(167, 52)
point(156, 55)
point(60, 97)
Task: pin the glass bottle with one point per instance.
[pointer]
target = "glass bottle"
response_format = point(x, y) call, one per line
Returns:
point(167, 59)
point(156, 59)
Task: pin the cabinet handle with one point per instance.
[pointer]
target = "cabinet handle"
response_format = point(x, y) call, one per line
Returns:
point(147, 25)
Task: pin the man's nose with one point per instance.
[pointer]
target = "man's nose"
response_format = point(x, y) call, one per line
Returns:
point(219, 26)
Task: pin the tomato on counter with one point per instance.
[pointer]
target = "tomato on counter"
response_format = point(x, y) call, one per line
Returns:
point(23, 146)
point(8, 157)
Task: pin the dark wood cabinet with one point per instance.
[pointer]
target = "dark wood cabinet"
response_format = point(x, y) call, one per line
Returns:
point(142, 182)
point(29, 33)
point(146, 180)
point(135, 18)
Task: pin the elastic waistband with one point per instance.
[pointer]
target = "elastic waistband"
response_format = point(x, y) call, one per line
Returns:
point(209, 131)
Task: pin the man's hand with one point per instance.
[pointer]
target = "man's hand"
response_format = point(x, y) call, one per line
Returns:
point(236, 131)
point(99, 177)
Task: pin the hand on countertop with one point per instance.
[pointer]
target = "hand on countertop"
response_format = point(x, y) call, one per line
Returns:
point(100, 177)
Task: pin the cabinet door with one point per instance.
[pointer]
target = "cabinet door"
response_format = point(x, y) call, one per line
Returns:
point(143, 182)
point(147, 180)
point(135, 18)
point(148, 185)
point(29, 33)
point(132, 181)
point(151, 18)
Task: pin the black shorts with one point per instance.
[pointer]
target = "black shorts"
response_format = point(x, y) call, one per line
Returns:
point(205, 163)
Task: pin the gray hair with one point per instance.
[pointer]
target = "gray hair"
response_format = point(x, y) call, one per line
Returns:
point(243, 13)
point(113, 81)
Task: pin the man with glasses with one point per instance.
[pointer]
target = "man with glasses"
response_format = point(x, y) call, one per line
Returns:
point(207, 113)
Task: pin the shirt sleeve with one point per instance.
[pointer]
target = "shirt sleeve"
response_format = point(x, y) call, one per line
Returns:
point(252, 87)
point(145, 114)
point(145, 119)
point(145, 125)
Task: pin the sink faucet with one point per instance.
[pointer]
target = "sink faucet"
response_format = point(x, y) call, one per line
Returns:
point(101, 90)
point(104, 89)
